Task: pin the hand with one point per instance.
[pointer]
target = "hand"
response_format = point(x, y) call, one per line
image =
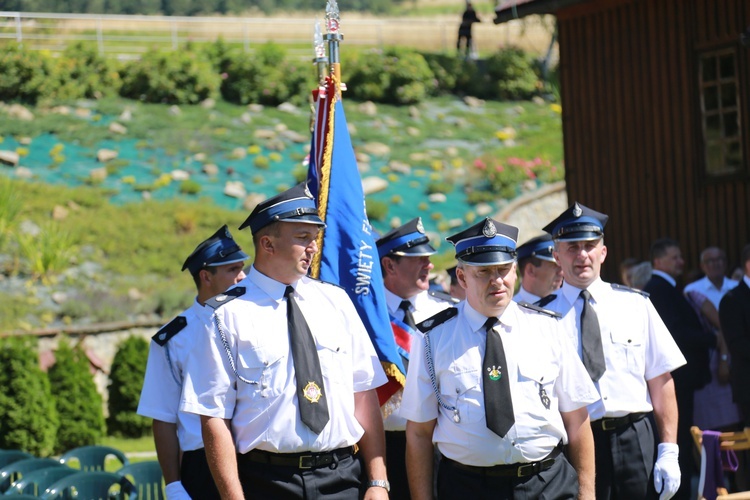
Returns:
point(375, 493)
point(667, 471)
point(175, 491)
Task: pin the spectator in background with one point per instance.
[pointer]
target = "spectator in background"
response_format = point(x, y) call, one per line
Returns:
point(734, 312)
point(684, 325)
point(468, 18)
point(625, 268)
point(456, 290)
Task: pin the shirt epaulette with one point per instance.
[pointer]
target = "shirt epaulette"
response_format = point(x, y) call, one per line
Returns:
point(327, 283)
point(540, 310)
point(226, 297)
point(545, 300)
point(170, 330)
point(445, 297)
point(617, 286)
point(438, 319)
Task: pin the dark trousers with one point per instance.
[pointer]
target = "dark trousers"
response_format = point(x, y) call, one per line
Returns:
point(688, 466)
point(556, 483)
point(625, 462)
point(337, 481)
point(196, 476)
point(395, 458)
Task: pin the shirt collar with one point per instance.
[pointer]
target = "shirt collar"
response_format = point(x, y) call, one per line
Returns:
point(476, 319)
point(393, 301)
point(746, 279)
point(667, 277)
point(571, 293)
point(274, 289)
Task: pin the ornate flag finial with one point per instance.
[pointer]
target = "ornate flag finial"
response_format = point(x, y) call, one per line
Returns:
point(332, 16)
point(319, 45)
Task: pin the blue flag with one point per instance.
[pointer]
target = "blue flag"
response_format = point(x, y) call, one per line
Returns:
point(347, 253)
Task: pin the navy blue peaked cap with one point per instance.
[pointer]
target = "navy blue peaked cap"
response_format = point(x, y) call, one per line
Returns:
point(408, 240)
point(577, 223)
point(540, 247)
point(293, 205)
point(486, 243)
point(218, 250)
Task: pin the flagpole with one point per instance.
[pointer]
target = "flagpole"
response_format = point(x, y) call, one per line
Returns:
point(320, 59)
point(333, 37)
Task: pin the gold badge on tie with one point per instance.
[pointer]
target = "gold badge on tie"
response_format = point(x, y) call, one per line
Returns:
point(312, 392)
point(494, 372)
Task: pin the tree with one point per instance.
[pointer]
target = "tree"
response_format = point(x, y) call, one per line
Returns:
point(79, 405)
point(126, 381)
point(28, 417)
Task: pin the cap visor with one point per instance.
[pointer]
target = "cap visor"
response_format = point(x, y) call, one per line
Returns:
point(487, 259)
point(422, 250)
point(580, 236)
point(238, 256)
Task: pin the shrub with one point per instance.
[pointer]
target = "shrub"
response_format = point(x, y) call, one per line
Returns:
point(28, 418)
point(266, 78)
point(10, 207)
point(455, 74)
point(376, 209)
point(82, 73)
point(25, 75)
point(398, 76)
point(177, 77)
point(512, 74)
point(126, 381)
point(79, 405)
point(48, 253)
point(190, 186)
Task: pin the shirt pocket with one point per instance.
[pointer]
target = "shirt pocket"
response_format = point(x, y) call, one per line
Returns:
point(628, 345)
point(463, 390)
point(265, 366)
point(536, 385)
point(335, 361)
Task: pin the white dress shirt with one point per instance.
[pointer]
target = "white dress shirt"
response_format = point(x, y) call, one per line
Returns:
point(538, 357)
point(522, 295)
point(264, 413)
point(637, 345)
point(162, 384)
point(708, 290)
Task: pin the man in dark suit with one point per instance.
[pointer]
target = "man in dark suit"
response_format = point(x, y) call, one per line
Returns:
point(684, 325)
point(734, 312)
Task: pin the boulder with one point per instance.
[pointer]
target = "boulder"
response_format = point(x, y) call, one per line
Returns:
point(473, 102)
point(83, 113)
point(372, 185)
point(60, 110)
point(208, 103)
point(235, 189)
point(413, 131)
point(437, 198)
point(376, 149)
point(400, 167)
point(263, 133)
point(288, 107)
point(104, 155)
point(295, 136)
point(9, 157)
point(255, 108)
point(179, 175)
point(483, 209)
point(414, 112)
point(23, 173)
point(352, 129)
point(368, 108)
point(126, 115)
point(24, 141)
point(238, 153)
point(19, 112)
point(59, 213)
point(98, 174)
point(117, 128)
point(210, 169)
point(246, 118)
point(252, 200)
point(174, 110)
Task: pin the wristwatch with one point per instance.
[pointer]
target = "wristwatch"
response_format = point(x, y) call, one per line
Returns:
point(381, 483)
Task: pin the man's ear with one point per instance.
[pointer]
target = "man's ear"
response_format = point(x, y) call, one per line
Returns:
point(266, 244)
point(386, 264)
point(461, 277)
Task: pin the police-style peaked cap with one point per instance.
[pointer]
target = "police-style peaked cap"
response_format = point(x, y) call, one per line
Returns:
point(540, 247)
point(487, 243)
point(408, 240)
point(218, 250)
point(577, 223)
point(293, 205)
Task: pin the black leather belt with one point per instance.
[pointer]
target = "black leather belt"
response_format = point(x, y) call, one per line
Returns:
point(305, 460)
point(611, 424)
point(512, 470)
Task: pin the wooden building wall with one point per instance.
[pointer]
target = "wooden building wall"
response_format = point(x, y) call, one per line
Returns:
point(632, 128)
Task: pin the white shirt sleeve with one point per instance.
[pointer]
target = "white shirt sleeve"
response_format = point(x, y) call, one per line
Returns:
point(160, 395)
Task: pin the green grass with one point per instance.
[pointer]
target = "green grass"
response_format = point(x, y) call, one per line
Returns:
point(130, 445)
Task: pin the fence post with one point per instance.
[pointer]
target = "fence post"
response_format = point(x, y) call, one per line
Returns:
point(19, 31)
point(174, 35)
point(246, 36)
point(99, 36)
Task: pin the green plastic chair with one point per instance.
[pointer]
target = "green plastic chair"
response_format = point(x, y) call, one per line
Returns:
point(35, 482)
point(95, 485)
point(147, 478)
point(15, 471)
point(10, 456)
point(92, 458)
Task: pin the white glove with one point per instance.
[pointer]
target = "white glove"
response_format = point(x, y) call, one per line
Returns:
point(175, 491)
point(667, 471)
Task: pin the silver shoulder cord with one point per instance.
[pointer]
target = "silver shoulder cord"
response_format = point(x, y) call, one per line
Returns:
point(171, 368)
point(223, 335)
point(433, 379)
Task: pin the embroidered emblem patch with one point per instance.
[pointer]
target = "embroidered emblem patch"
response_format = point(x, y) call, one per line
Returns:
point(312, 392)
point(577, 212)
point(494, 372)
point(420, 226)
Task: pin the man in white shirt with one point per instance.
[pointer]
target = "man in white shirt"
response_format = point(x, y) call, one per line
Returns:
point(540, 274)
point(215, 265)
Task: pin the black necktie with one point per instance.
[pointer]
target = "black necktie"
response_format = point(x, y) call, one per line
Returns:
point(498, 405)
point(591, 340)
point(408, 317)
point(313, 408)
